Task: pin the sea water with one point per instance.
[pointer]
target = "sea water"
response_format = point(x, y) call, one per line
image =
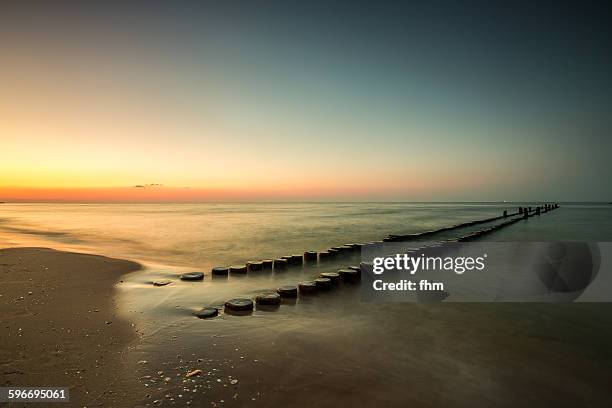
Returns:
point(330, 349)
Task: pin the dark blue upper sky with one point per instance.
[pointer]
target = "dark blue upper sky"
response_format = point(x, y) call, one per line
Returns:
point(518, 93)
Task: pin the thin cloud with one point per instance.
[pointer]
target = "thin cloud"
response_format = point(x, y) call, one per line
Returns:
point(148, 185)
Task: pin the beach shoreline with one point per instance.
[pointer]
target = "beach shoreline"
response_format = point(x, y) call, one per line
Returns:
point(61, 325)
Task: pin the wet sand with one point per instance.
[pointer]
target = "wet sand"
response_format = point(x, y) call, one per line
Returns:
point(326, 350)
point(332, 349)
point(60, 325)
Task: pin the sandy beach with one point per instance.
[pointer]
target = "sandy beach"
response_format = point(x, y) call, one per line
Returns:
point(60, 327)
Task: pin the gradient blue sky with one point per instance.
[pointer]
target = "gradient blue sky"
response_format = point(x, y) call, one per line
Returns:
point(284, 100)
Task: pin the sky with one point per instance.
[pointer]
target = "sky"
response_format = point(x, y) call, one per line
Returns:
point(223, 101)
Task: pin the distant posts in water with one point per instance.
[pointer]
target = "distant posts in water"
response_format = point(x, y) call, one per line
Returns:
point(268, 299)
point(220, 270)
point(537, 211)
point(297, 259)
point(307, 288)
point(520, 210)
point(267, 263)
point(310, 256)
point(505, 213)
point(342, 249)
point(356, 246)
point(324, 255)
point(288, 291)
point(366, 267)
point(350, 275)
point(525, 214)
point(239, 269)
point(333, 252)
point(254, 266)
point(332, 276)
point(323, 283)
point(280, 264)
point(239, 305)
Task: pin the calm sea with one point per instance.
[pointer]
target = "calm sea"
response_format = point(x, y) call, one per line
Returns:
point(331, 349)
point(202, 235)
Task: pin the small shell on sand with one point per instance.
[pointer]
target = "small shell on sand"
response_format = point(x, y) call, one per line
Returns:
point(193, 373)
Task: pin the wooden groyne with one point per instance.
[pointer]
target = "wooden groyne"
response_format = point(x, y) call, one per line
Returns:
point(521, 211)
point(351, 275)
point(348, 249)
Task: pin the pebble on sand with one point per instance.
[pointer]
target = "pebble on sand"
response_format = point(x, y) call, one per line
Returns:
point(192, 276)
point(162, 282)
point(207, 312)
